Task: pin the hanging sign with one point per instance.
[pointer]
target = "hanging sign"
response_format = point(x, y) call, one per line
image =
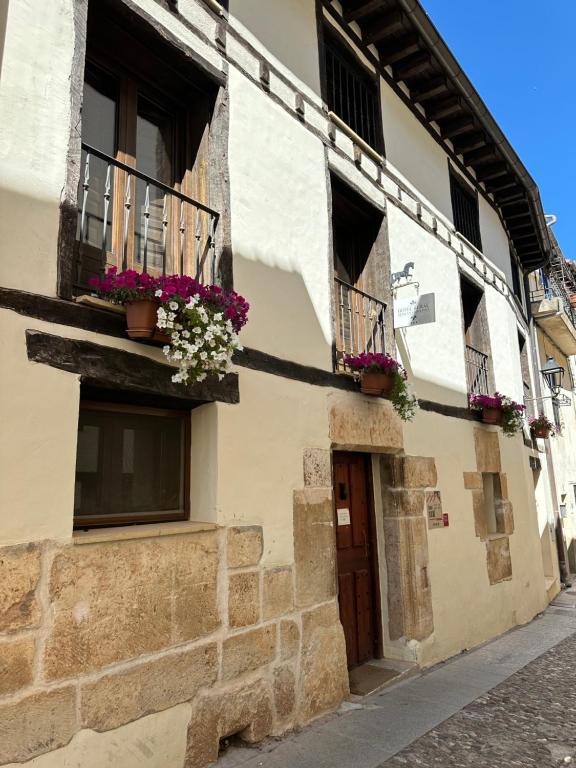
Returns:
point(415, 310)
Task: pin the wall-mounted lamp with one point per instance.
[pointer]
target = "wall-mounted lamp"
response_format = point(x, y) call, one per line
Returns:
point(553, 373)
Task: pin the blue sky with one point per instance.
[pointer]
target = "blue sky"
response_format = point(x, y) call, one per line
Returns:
point(521, 59)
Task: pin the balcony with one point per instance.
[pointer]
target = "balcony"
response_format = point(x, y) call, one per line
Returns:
point(476, 371)
point(133, 221)
point(553, 312)
point(359, 320)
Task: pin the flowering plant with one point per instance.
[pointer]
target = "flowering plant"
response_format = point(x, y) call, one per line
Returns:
point(542, 422)
point(202, 321)
point(512, 412)
point(405, 403)
point(123, 287)
point(202, 339)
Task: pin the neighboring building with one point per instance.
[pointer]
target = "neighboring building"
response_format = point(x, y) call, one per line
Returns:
point(285, 527)
point(553, 301)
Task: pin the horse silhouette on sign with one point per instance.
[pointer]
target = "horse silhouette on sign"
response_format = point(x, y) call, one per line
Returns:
point(405, 273)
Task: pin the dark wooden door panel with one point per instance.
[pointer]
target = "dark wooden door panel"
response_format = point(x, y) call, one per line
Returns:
point(347, 597)
point(355, 543)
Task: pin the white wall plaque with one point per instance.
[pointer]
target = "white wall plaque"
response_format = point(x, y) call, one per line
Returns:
point(343, 516)
point(415, 310)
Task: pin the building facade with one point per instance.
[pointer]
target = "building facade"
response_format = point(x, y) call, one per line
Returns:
point(181, 565)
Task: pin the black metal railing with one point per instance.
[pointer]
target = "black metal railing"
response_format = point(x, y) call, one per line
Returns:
point(131, 220)
point(551, 288)
point(476, 371)
point(359, 320)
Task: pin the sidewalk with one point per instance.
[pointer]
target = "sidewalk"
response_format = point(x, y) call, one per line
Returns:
point(366, 735)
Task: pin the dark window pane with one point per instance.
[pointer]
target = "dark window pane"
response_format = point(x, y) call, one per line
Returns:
point(99, 114)
point(465, 212)
point(351, 93)
point(129, 466)
point(154, 149)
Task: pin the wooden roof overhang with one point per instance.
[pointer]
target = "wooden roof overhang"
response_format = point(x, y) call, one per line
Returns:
point(408, 42)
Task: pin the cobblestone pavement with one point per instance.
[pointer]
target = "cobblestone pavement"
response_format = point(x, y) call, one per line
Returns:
point(529, 720)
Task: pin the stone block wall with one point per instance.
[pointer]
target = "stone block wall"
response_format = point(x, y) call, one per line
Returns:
point(96, 636)
point(488, 460)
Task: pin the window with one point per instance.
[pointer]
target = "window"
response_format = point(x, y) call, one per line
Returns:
point(492, 499)
point(476, 337)
point(465, 210)
point(352, 92)
point(143, 188)
point(525, 368)
point(359, 310)
point(131, 465)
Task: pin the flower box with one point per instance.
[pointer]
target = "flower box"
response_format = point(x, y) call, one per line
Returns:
point(197, 324)
point(541, 427)
point(376, 383)
point(382, 376)
point(499, 410)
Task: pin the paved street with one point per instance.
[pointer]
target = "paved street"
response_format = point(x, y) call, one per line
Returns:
point(512, 702)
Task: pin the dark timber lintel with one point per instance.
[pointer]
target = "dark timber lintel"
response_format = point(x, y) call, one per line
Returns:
point(115, 369)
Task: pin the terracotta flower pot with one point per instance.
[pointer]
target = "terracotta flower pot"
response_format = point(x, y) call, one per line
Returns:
point(542, 432)
point(492, 415)
point(141, 318)
point(376, 383)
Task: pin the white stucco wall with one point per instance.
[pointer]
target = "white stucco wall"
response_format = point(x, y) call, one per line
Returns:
point(495, 244)
point(35, 109)
point(412, 152)
point(503, 330)
point(287, 30)
point(434, 353)
point(467, 608)
point(279, 209)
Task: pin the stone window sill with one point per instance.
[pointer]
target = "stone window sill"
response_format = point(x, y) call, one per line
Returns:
point(147, 531)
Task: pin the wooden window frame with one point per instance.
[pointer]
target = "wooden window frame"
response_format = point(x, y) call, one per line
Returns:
point(162, 81)
point(458, 182)
point(331, 37)
point(110, 521)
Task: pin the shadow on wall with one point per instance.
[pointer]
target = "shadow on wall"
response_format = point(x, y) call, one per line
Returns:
point(3, 24)
point(572, 556)
point(282, 320)
point(425, 389)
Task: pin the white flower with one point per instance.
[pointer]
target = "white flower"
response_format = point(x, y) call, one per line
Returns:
point(186, 334)
point(158, 293)
point(173, 305)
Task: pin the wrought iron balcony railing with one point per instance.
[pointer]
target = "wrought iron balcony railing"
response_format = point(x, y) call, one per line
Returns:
point(359, 322)
point(476, 371)
point(550, 287)
point(133, 221)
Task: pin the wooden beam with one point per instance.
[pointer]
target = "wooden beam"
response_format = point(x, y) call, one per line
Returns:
point(501, 186)
point(436, 110)
point(481, 155)
point(363, 10)
point(111, 368)
point(525, 214)
point(457, 126)
point(495, 171)
point(508, 197)
point(431, 89)
point(412, 65)
point(521, 229)
point(395, 50)
point(383, 27)
point(468, 142)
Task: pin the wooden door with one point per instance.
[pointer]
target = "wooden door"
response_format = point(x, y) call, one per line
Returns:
point(358, 591)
